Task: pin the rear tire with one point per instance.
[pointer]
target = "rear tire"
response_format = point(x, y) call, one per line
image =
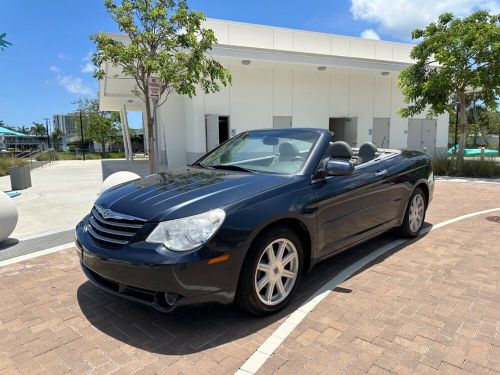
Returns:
point(415, 215)
point(271, 272)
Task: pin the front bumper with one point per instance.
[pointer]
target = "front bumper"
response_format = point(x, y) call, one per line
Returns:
point(145, 272)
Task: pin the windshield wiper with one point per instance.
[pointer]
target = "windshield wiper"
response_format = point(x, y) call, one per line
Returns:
point(200, 164)
point(231, 167)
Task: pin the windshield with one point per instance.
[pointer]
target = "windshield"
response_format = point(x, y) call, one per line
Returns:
point(269, 151)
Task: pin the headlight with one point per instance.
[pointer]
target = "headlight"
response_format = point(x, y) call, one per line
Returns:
point(189, 232)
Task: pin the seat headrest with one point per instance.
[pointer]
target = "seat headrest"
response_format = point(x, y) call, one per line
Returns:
point(367, 151)
point(288, 148)
point(340, 149)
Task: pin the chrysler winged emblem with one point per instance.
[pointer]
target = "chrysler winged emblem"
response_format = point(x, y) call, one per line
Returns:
point(106, 214)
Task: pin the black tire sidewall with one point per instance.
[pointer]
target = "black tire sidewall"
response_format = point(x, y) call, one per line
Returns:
point(247, 295)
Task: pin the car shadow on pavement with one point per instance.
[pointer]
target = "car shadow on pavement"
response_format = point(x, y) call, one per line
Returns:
point(191, 329)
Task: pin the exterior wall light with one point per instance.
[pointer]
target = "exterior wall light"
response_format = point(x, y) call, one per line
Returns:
point(385, 73)
point(246, 62)
point(321, 68)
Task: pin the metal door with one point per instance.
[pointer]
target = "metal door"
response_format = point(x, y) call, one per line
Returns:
point(429, 136)
point(282, 122)
point(380, 135)
point(415, 134)
point(212, 131)
point(351, 131)
point(422, 135)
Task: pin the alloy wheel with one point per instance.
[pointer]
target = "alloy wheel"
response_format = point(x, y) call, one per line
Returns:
point(416, 214)
point(277, 271)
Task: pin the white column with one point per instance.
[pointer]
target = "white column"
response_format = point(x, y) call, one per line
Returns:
point(127, 134)
point(124, 133)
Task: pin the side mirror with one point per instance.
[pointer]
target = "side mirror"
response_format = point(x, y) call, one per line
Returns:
point(339, 167)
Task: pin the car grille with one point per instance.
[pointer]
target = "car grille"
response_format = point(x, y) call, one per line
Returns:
point(115, 230)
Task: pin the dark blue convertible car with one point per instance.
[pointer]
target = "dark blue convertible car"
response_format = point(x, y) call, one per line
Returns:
point(249, 218)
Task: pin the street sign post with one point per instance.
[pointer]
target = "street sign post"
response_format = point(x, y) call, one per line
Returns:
point(154, 88)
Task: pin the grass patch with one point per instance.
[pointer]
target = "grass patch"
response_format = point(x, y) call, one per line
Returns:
point(7, 163)
point(75, 156)
point(487, 168)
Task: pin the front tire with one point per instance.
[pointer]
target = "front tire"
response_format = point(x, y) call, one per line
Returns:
point(415, 215)
point(271, 272)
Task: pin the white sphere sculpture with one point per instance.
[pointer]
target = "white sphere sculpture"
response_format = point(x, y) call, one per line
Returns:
point(118, 178)
point(8, 216)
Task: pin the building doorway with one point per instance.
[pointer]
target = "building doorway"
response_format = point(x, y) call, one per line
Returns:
point(344, 129)
point(422, 135)
point(282, 122)
point(381, 130)
point(217, 130)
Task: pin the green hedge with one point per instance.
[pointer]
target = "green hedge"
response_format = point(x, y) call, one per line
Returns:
point(75, 156)
point(446, 166)
point(7, 163)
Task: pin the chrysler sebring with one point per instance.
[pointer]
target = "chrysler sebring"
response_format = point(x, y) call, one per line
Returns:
point(244, 222)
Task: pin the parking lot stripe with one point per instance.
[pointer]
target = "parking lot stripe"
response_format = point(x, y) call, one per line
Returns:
point(264, 352)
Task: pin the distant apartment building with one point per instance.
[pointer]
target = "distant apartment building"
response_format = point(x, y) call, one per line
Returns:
point(65, 123)
point(14, 141)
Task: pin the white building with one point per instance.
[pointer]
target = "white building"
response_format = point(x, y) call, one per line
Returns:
point(283, 78)
point(65, 123)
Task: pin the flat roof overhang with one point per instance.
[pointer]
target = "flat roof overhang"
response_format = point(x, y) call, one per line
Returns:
point(115, 90)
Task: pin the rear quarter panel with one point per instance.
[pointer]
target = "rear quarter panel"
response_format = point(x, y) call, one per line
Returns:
point(407, 171)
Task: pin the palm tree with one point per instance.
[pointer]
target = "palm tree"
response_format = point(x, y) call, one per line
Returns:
point(56, 138)
point(38, 129)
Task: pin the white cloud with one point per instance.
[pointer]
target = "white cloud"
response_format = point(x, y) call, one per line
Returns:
point(370, 34)
point(74, 85)
point(398, 18)
point(87, 68)
point(54, 69)
point(62, 56)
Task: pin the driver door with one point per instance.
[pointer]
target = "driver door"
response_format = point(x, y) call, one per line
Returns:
point(350, 208)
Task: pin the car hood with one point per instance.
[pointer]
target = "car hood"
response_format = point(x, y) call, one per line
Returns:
point(185, 192)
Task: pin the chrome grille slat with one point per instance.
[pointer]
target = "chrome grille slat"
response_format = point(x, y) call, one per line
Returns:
point(105, 239)
point(112, 229)
point(97, 216)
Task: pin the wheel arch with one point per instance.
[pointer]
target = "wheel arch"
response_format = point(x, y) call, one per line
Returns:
point(425, 188)
point(299, 228)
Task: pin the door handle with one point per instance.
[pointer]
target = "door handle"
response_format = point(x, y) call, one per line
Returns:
point(383, 172)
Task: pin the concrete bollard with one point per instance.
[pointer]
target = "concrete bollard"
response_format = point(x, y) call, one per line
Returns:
point(8, 216)
point(117, 179)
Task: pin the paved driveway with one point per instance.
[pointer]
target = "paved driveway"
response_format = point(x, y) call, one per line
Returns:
point(429, 305)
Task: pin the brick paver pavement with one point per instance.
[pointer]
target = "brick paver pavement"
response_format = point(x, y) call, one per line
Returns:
point(433, 305)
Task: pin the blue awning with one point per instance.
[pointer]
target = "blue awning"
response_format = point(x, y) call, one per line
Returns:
point(10, 132)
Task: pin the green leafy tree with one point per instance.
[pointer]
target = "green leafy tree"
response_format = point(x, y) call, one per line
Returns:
point(3, 43)
point(38, 129)
point(455, 56)
point(99, 126)
point(56, 137)
point(167, 41)
point(489, 122)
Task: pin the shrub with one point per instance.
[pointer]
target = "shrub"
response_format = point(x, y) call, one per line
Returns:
point(7, 163)
point(445, 166)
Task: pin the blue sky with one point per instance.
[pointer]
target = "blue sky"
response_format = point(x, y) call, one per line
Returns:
point(47, 68)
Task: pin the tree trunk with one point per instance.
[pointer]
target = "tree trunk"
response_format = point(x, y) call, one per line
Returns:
point(463, 123)
point(151, 143)
point(103, 148)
